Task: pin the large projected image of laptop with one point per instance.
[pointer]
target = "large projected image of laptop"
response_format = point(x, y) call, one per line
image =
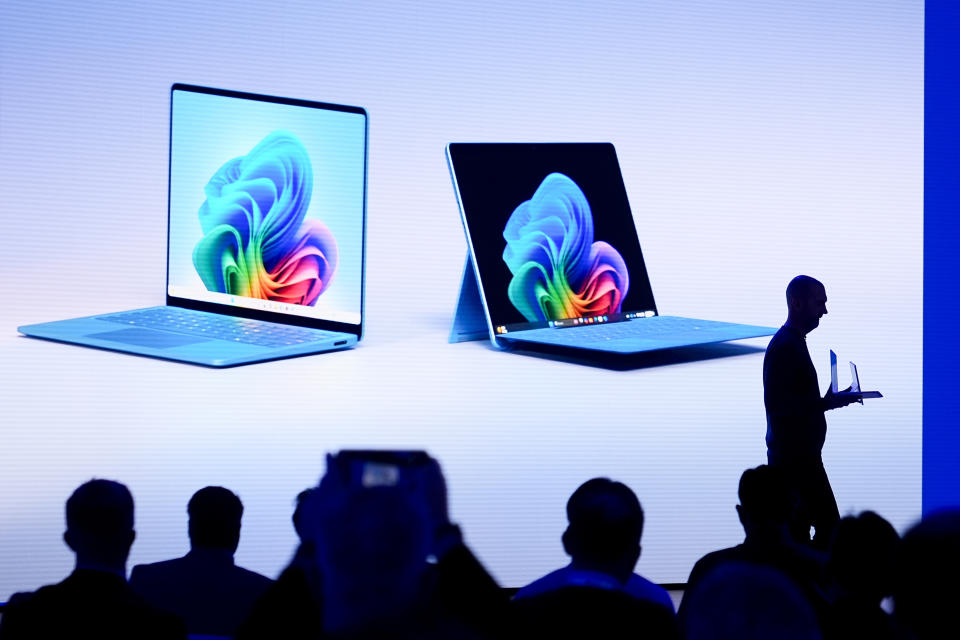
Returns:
point(556, 256)
point(265, 251)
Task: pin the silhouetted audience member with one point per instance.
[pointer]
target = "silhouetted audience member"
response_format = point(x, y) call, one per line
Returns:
point(745, 601)
point(765, 510)
point(291, 608)
point(371, 547)
point(597, 593)
point(927, 577)
point(205, 588)
point(362, 568)
point(371, 551)
point(95, 600)
point(860, 570)
point(457, 585)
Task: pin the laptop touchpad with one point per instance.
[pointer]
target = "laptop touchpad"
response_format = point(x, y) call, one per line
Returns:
point(148, 338)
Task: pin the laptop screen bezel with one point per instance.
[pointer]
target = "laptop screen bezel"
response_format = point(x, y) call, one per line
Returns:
point(451, 151)
point(259, 314)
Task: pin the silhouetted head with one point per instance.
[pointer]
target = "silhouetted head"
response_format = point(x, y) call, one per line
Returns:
point(806, 303)
point(100, 524)
point(739, 601)
point(215, 515)
point(862, 556)
point(927, 577)
point(766, 501)
point(300, 523)
point(606, 522)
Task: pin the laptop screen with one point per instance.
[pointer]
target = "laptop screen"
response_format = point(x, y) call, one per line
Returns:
point(551, 233)
point(267, 202)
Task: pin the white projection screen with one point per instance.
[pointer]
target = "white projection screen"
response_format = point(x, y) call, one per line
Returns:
point(758, 139)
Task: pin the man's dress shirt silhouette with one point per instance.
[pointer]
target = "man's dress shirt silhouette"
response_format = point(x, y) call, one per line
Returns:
point(796, 428)
point(796, 431)
point(205, 588)
point(87, 604)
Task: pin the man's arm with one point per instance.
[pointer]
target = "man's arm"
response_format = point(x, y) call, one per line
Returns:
point(786, 392)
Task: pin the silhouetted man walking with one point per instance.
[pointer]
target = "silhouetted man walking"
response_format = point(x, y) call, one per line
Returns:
point(796, 427)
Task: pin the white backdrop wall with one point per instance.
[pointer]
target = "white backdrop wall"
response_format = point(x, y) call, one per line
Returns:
point(758, 139)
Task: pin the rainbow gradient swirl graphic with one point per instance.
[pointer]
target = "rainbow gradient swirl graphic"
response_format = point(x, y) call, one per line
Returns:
point(256, 242)
point(558, 270)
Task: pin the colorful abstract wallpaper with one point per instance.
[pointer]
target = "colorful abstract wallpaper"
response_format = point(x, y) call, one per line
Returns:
point(256, 242)
point(267, 205)
point(558, 270)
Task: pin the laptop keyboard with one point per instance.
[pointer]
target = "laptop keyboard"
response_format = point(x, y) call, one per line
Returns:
point(214, 326)
point(656, 328)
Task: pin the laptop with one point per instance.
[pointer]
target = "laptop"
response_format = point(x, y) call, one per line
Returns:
point(553, 255)
point(265, 235)
point(855, 390)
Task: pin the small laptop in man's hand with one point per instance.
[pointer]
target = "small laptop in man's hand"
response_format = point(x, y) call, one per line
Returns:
point(854, 385)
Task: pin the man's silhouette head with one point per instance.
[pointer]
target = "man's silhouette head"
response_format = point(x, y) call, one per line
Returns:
point(806, 303)
point(300, 521)
point(215, 515)
point(100, 525)
point(606, 522)
point(766, 502)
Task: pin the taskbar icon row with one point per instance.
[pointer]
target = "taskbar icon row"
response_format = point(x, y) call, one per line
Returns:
point(564, 323)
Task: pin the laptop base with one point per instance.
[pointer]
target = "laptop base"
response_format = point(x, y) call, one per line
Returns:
point(633, 361)
point(101, 333)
